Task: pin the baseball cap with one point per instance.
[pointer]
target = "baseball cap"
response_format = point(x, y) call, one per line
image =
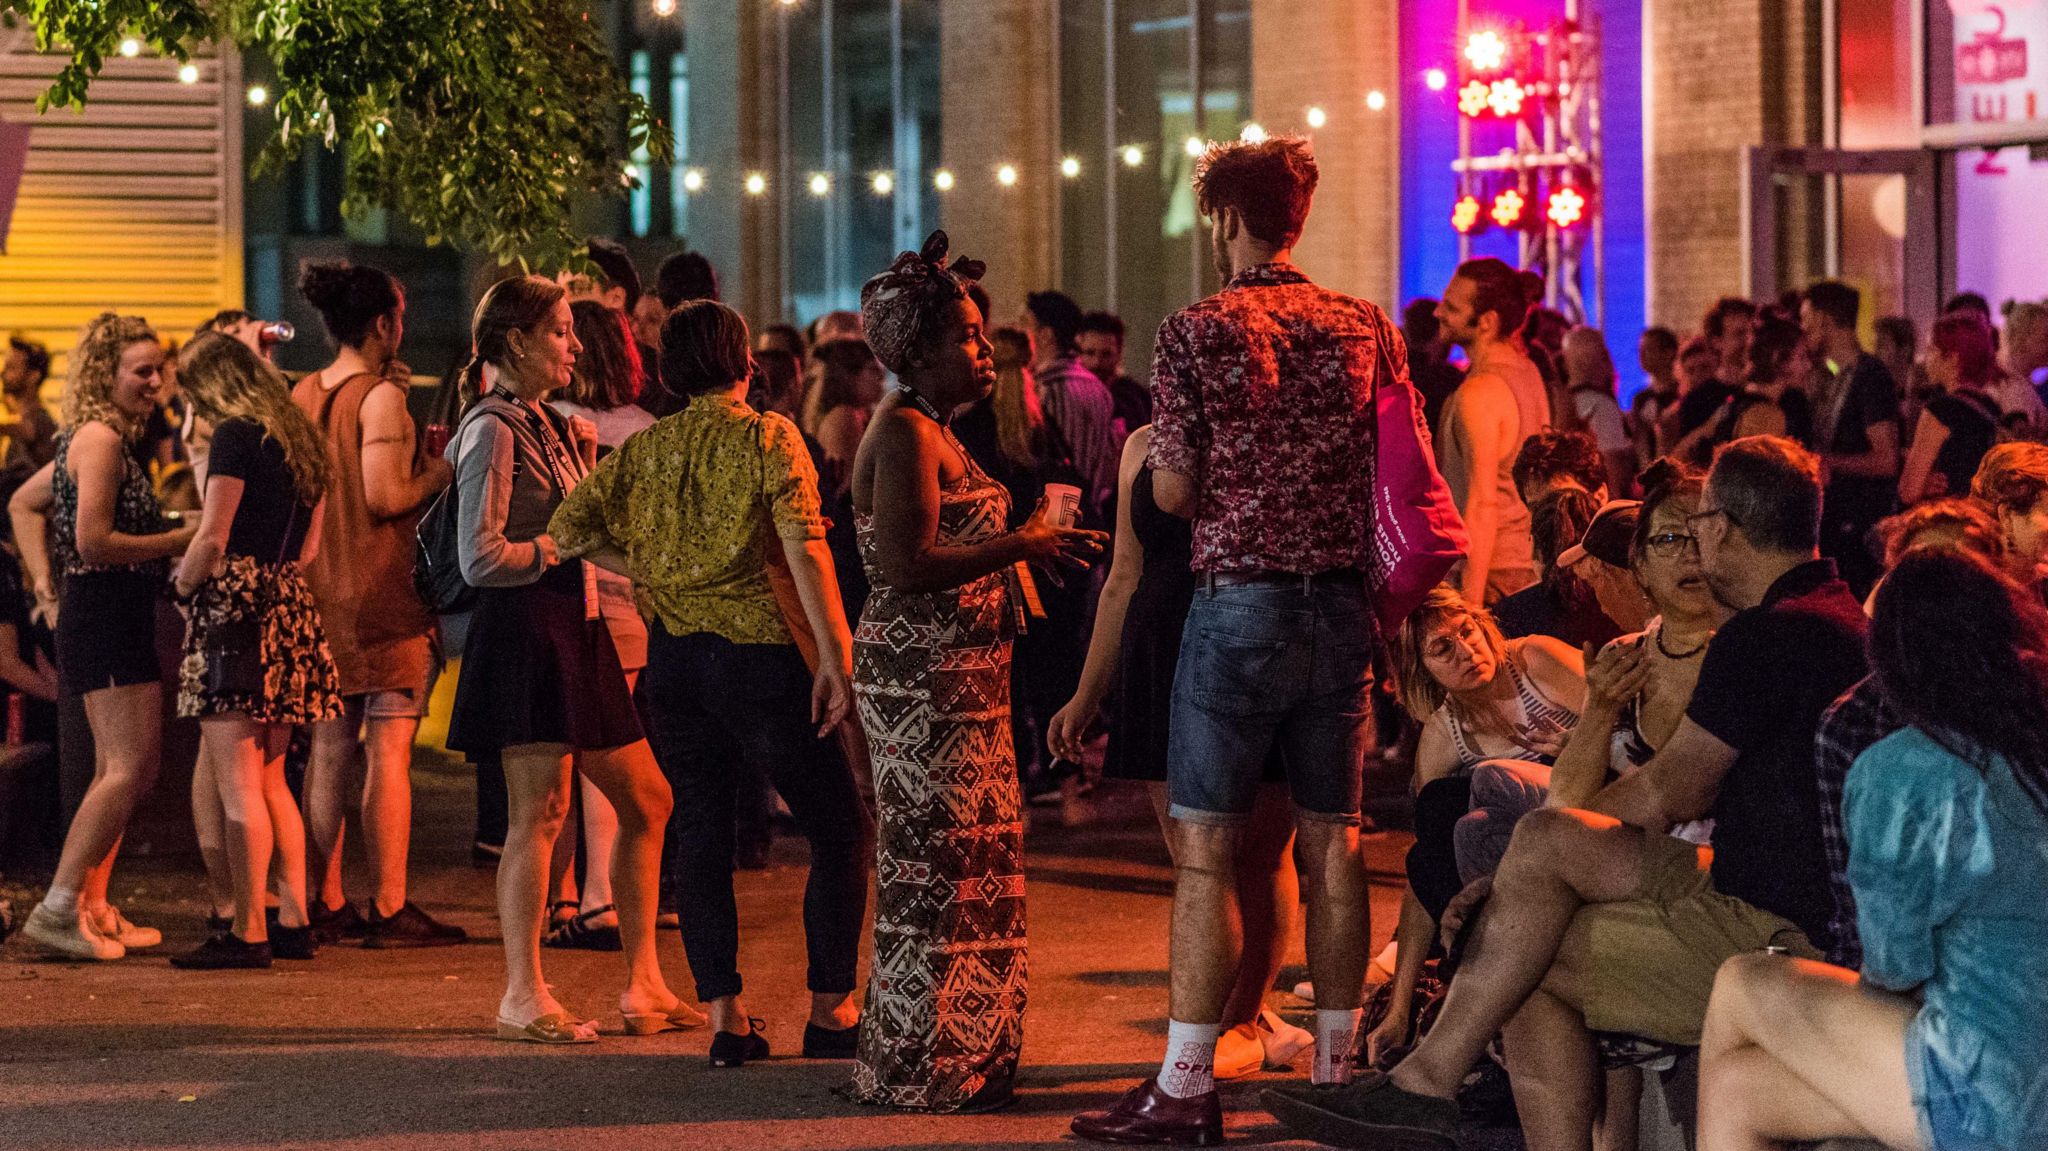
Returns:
point(1607, 538)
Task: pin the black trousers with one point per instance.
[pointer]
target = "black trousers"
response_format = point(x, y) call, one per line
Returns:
point(1433, 861)
point(720, 712)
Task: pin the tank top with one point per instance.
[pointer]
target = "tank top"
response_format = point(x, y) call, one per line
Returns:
point(136, 513)
point(1537, 710)
point(1513, 548)
point(362, 575)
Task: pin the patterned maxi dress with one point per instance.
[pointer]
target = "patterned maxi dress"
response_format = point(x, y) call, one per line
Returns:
point(931, 672)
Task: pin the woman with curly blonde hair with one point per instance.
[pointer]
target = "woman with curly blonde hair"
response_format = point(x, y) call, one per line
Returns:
point(111, 542)
point(256, 661)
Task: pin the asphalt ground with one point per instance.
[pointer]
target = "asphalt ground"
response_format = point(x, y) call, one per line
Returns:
point(392, 1049)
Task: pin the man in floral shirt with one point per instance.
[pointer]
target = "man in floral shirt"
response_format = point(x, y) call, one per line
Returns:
point(1263, 435)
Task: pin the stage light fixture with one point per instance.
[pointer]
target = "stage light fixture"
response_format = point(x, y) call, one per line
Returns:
point(1468, 215)
point(664, 8)
point(1193, 146)
point(1567, 207)
point(1486, 50)
point(1505, 97)
point(1509, 206)
point(1472, 98)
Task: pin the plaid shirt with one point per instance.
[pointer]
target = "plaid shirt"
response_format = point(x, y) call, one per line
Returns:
point(1847, 729)
point(1262, 394)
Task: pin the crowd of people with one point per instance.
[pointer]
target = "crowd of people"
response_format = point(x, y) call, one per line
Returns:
point(1727, 726)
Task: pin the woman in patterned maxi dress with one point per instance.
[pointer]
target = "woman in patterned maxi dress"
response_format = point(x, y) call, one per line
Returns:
point(943, 1024)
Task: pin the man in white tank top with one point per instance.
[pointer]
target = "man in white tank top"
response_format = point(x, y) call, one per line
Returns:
point(1500, 404)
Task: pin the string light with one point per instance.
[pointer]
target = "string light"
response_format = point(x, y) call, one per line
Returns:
point(820, 185)
point(131, 47)
point(1252, 134)
point(664, 8)
point(883, 183)
point(1376, 100)
point(1193, 146)
point(943, 179)
point(189, 74)
point(1317, 117)
point(693, 180)
point(1007, 175)
point(1437, 79)
point(757, 184)
point(258, 95)
point(1070, 167)
point(1134, 156)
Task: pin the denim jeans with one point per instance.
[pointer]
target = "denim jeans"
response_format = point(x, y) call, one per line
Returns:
point(1503, 791)
point(721, 712)
point(1265, 666)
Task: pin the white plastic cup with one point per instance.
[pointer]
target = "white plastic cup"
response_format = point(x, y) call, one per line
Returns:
point(1065, 503)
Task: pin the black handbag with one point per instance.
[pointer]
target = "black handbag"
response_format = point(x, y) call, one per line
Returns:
point(437, 558)
point(234, 649)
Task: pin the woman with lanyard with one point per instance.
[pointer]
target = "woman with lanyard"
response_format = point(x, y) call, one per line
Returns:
point(541, 681)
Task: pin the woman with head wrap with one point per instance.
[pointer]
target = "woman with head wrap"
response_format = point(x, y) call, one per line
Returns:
point(931, 670)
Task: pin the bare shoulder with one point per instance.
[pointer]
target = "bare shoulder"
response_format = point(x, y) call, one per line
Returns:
point(1550, 657)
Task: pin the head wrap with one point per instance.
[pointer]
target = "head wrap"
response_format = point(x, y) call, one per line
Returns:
point(898, 306)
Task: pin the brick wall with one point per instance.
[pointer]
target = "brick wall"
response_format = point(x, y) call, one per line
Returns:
point(1000, 74)
point(1328, 54)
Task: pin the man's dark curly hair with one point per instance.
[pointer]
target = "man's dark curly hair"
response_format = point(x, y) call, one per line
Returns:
point(1550, 456)
point(1268, 184)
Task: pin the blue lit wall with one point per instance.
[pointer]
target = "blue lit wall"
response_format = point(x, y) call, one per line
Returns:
point(1429, 142)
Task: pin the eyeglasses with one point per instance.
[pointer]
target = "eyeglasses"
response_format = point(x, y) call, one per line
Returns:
point(1671, 545)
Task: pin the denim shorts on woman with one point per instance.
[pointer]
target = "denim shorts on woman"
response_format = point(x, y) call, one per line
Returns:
point(1266, 665)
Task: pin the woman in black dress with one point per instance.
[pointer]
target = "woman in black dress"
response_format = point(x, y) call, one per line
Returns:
point(109, 543)
point(1960, 424)
point(256, 660)
point(541, 681)
point(1134, 650)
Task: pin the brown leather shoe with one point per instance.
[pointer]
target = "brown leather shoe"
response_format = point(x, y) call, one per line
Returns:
point(1148, 1115)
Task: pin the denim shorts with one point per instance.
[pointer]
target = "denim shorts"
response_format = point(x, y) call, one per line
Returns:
point(1266, 666)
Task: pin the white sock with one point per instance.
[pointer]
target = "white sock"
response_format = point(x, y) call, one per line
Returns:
point(62, 900)
point(1336, 1033)
point(1190, 1065)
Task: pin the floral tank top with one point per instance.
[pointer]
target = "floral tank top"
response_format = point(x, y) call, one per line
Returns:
point(136, 512)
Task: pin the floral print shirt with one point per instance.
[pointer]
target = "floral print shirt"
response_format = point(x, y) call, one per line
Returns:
point(697, 503)
point(1262, 395)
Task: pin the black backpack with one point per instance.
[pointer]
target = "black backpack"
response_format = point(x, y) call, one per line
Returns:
point(437, 561)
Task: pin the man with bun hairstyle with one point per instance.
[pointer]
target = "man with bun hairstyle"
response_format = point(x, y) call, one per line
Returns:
point(1500, 404)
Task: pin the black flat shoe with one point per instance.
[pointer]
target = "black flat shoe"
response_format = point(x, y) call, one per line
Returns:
point(224, 951)
point(729, 1050)
point(831, 1042)
point(334, 924)
point(294, 942)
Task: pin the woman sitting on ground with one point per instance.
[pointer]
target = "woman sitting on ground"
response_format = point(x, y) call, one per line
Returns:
point(1940, 1044)
point(1480, 698)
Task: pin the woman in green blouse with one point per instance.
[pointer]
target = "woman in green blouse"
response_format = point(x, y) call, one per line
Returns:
point(697, 509)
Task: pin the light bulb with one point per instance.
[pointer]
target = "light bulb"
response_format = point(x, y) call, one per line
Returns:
point(757, 184)
point(664, 8)
point(693, 180)
point(131, 47)
point(189, 74)
point(1007, 175)
point(258, 95)
point(943, 179)
point(1437, 79)
point(1317, 117)
point(1376, 100)
point(1070, 167)
point(883, 183)
point(1194, 146)
point(1252, 134)
point(820, 184)
point(1134, 156)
